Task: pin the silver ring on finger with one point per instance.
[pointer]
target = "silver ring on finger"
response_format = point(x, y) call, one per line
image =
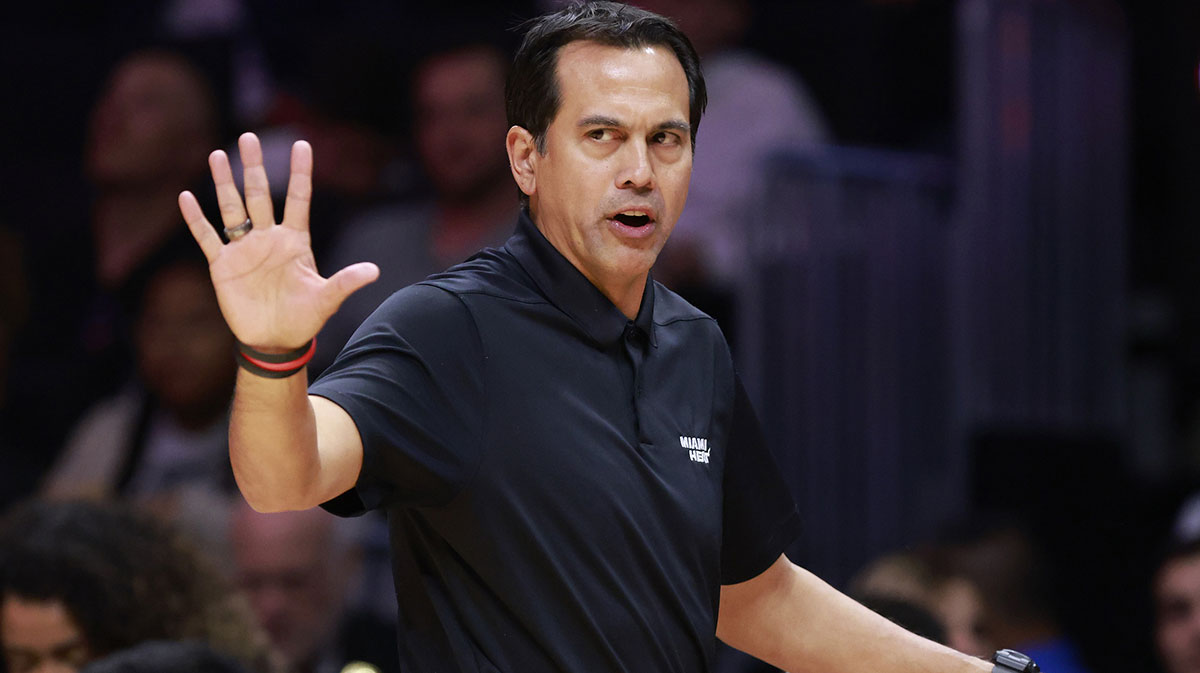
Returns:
point(234, 233)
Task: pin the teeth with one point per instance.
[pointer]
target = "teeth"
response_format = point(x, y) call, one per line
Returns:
point(634, 213)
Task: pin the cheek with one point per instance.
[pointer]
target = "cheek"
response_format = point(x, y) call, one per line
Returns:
point(1172, 637)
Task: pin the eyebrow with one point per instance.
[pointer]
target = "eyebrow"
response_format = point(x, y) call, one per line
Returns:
point(601, 120)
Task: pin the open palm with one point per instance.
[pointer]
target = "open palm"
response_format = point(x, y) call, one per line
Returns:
point(266, 281)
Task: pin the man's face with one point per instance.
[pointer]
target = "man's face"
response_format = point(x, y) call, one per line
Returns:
point(1177, 608)
point(182, 341)
point(960, 607)
point(149, 124)
point(459, 99)
point(40, 637)
point(283, 564)
point(614, 177)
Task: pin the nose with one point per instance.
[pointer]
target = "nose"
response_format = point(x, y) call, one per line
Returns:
point(637, 171)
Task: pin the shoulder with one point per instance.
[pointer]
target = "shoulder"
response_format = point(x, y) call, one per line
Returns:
point(442, 310)
point(112, 416)
point(422, 309)
point(677, 322)
point(491, 273)
point(95, 447)
point(670, 309)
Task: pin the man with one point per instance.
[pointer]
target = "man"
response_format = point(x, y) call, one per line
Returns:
point(298, 570)
point(1177, 609)
point(572, 475)
point(147, 138)
point(162, 441)
point(81, 580)
point(458, 106)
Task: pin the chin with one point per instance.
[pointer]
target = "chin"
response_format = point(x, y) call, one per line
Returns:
point(634, 265)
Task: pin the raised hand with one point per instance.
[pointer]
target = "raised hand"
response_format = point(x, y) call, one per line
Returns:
point(266, 280)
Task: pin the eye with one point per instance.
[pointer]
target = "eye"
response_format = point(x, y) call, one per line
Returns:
point(602, 135)
point(666, 138)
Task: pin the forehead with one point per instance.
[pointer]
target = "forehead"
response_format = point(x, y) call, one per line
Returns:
point(647, 79)
point(281, 540)
point(35, 624)
point(469, 69)
point(156, 72)
point(1181, 575)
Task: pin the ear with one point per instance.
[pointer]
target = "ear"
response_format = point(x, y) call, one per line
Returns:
point(522, 158)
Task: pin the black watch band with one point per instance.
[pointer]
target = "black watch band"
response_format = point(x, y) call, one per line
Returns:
point(1011, 661)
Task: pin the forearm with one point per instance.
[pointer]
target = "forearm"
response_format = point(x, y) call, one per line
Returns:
point(802, 625)
point(273, 442)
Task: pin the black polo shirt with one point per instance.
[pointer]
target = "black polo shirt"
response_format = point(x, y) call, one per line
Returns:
point(566, 489)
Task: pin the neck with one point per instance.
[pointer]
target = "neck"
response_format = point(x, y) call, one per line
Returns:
point(127, 226)
point(623, 291)
point(629, 300)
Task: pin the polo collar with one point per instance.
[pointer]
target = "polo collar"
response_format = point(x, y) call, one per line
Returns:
point(571, 292)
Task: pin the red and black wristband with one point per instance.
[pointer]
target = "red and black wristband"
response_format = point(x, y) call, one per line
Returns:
point(274, 365)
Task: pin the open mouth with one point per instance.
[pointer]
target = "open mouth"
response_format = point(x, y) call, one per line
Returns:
point(632, 219)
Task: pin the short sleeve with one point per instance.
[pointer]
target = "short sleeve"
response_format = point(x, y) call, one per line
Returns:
point(411, 378)
point(759, 517)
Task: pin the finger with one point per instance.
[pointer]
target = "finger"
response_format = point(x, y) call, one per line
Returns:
point(348, 281)
point(299, 194)
point(199, 225)
point(228, 198)
point(254, 178)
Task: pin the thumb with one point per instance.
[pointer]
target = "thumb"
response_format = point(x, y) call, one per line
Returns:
point(346, 282)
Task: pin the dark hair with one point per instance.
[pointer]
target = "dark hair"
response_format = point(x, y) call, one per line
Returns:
point(157, 656)
point(532, 93)
point(1175, 550)
point(124, 577)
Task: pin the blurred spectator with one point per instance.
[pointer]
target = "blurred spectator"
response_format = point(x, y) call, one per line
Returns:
point(754, 107)
point(165, 656)
point(459, 127)
point(80, 580)
point(164, 439)
point(349, 105)
point(926, 580)
point(148, 135)
point(299, 570)
point(1176, 592)
point(1007, 566)
point(148, 138)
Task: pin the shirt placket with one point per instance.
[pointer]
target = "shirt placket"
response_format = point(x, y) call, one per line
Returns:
point(635, 343)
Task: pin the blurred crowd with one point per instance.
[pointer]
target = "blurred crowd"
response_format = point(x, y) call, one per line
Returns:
point(124, 545)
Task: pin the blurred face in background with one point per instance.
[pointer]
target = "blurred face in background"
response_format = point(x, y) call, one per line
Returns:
point(153, 122)
point(295, 575)
point(959, 605)
point(184, 349)
point(460, 122)
point(40, 637)
point(1177, 612)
